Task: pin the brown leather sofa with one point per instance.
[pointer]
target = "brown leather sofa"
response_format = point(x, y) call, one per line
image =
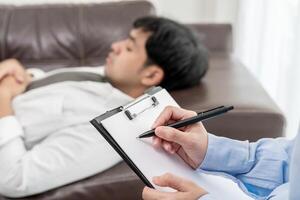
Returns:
point(55, 36)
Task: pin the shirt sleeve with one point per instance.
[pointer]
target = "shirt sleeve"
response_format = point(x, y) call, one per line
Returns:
point(10, 129)
point(280, 193)
point(259, 167)
point(68, 155)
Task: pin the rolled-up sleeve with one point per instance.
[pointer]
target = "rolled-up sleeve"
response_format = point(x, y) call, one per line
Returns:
point(260, 166)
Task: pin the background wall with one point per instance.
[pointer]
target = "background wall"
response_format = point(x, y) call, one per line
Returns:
point(191, 11)
point(187, 11)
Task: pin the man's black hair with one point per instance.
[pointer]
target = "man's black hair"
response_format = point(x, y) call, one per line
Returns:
point(175, 48)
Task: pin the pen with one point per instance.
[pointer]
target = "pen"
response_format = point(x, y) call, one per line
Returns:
point(199, 117)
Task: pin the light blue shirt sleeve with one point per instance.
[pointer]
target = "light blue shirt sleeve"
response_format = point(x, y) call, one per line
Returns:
point(259, 167)
point(280, 193)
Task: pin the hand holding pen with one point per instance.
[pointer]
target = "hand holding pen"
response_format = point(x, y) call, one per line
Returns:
point(176, 130)
point(201, 116)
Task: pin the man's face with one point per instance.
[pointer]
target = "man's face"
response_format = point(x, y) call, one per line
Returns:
point(126, 60)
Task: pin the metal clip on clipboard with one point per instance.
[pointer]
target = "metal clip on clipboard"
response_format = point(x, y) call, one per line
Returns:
point(143, 103)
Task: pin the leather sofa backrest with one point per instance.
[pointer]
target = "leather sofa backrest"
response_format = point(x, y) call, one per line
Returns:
point(54, 36)
point(69, 35)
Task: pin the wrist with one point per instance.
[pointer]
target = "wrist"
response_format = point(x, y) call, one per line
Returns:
point(203, 146)
point(5, 104)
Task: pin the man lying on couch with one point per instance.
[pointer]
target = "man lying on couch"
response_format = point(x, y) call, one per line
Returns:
point(46, 140)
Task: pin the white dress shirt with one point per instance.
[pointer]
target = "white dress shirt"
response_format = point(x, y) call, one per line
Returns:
point(49, 142)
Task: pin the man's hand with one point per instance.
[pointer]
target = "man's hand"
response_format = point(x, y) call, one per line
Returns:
point(186, 190)
point(190, 142)
point(12, 67)
point(10, 87)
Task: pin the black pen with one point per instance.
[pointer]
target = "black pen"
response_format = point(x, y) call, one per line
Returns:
point(199, 117)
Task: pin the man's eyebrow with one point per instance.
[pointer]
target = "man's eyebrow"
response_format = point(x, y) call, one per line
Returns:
point(132, 38)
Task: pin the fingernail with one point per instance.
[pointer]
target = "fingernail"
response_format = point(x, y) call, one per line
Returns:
point(168, 147)
point(20, 79)
point(158, 130)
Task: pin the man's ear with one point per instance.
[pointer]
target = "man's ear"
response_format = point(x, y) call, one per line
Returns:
point(152, 75)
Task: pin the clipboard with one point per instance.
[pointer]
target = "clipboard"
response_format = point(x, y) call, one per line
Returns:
point(121, 126)
point(97, 123)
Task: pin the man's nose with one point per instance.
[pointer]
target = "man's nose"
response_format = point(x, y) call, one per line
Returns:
point(116, 47)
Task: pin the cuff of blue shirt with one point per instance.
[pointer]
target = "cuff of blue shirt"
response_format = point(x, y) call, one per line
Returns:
point(9, 129)
point(224, 154)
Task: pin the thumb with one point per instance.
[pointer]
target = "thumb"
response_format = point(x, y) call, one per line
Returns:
point(172, 181)
point(20, 77)
point(171, 134)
